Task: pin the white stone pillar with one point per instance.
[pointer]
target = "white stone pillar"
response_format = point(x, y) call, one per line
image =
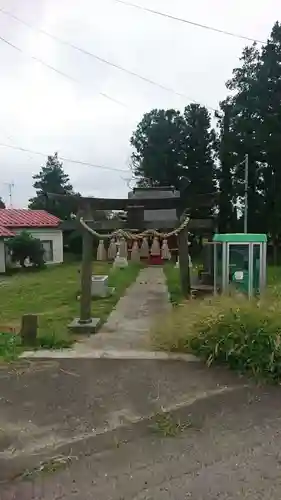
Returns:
point(135, 253)
point(144, 250)
point(112, 249)
point(101, 252)
point(165, 252)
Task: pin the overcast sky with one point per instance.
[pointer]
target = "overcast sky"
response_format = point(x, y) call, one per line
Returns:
point(43, 111)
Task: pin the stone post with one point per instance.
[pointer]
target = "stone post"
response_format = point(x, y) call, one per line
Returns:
point(28, 331)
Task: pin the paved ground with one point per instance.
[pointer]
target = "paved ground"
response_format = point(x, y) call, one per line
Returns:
point(228, 446)
point(53, 403)
point(127, 328)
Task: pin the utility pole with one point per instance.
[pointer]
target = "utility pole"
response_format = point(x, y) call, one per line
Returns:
point(10, 185)
point(246, 186)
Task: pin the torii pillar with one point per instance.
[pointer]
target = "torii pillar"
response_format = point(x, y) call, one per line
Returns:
point(85, 324)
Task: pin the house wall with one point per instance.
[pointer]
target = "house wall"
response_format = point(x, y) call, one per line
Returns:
point(2, 256)
point(55, 235)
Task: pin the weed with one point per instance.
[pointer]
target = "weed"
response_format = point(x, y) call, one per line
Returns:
point(49, 466)
point(167, 426)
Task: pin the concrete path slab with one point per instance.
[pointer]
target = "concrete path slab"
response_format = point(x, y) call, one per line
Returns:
point(128, 325)
point(108, 354)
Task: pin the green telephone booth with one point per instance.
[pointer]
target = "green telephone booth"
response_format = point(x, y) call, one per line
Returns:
point(240, 262)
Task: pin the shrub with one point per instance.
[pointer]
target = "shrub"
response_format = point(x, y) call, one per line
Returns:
point(243, 334)
point(24, 246)
point(9, 346)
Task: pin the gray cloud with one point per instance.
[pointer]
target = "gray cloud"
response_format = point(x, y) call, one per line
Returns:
point(46, 112)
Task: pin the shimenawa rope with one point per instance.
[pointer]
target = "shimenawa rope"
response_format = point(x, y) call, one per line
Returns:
point(128, 235)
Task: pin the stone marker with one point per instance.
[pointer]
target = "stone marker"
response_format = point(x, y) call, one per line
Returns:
point(29, 327)
point(100, 286)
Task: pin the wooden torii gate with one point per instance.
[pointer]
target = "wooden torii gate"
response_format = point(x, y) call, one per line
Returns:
point(85, 208)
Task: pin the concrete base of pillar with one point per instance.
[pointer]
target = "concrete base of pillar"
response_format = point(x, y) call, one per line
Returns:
point(84, 328)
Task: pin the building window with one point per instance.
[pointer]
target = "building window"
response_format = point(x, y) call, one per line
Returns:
point(48, 250)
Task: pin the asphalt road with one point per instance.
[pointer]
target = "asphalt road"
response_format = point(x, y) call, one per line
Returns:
point(226, 443)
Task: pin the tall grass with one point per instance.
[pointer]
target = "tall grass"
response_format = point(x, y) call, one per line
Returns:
point(243, 334)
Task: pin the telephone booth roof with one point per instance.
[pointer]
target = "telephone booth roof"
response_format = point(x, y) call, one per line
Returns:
point(240, 238)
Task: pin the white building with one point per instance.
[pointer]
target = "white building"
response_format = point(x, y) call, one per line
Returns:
point(40, 224)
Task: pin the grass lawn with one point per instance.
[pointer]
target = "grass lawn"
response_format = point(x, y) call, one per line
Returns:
point(174, 286)
point(51, 294)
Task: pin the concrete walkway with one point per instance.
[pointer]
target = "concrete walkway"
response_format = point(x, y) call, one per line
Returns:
point(128, 325)
point(126, 332)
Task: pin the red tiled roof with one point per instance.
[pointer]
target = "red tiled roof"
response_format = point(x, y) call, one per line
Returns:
point(16, 218)
point(5, 233)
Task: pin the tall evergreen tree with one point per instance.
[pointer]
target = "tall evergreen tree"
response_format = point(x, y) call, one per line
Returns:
point(176, 150)
point(198, 146)
point(157, 142)
point(52, 179)
point(269, 80)
point(255, 128)
point(244, 134)
point(227, 200)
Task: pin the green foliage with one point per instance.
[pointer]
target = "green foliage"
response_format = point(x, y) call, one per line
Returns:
point(244, 335)
point(253, 127)
point(199, 150)
point(158, 157)
point(24, 246)
point(9, 346)
point(225, 173)
point(52, 179)
point(174, 149)
point(73, 242)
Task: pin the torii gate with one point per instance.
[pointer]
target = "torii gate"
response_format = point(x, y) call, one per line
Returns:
point(85, 207)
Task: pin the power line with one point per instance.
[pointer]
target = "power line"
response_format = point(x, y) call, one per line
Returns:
point(65, 75)
point(69, 160)
point(192, 23)
point(98, 58)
